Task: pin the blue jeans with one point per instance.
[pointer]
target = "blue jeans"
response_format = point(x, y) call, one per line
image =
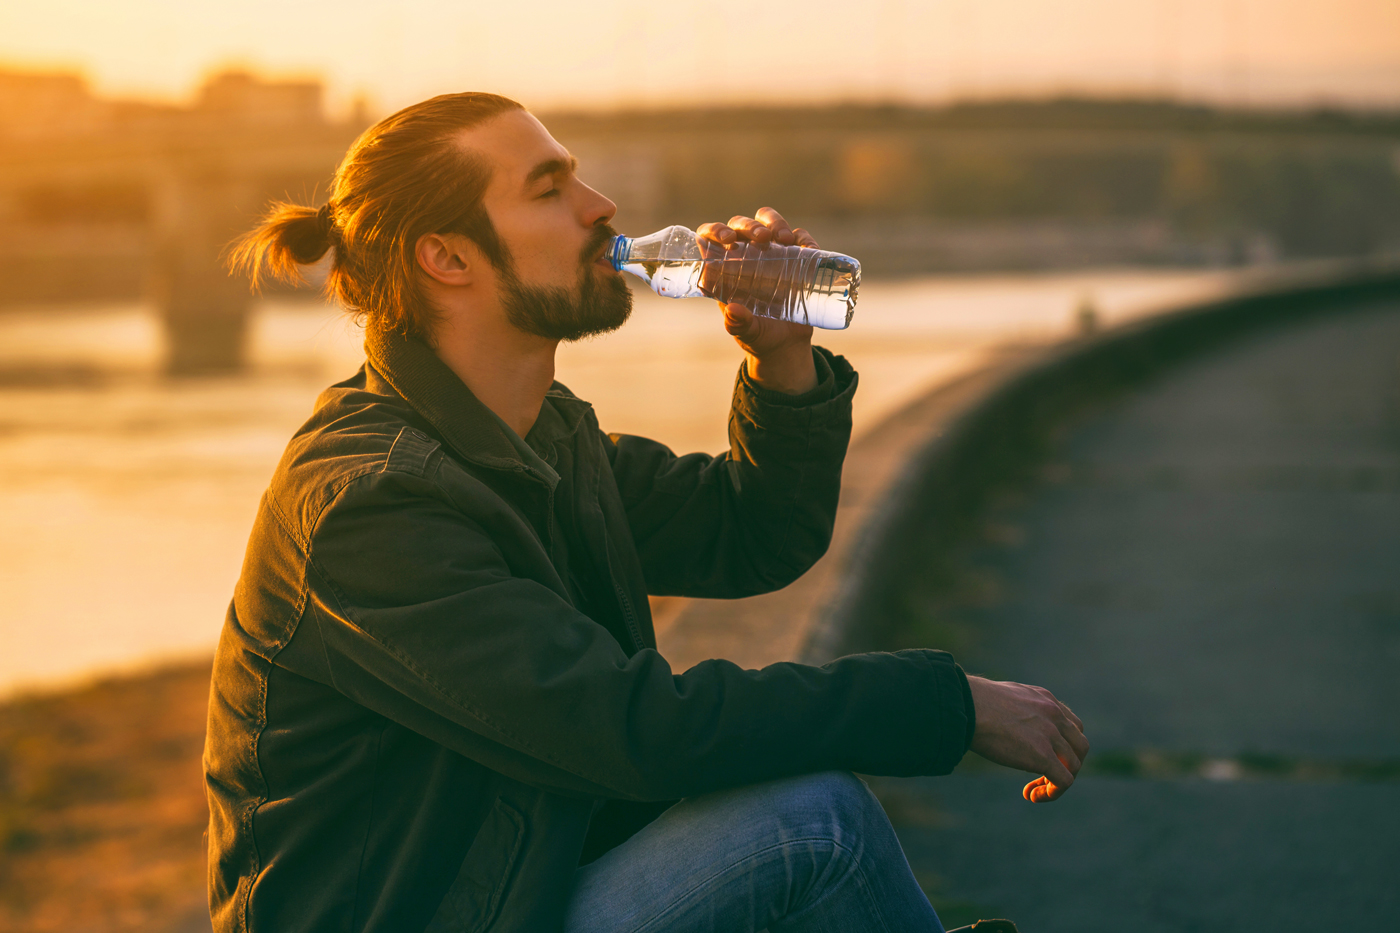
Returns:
point(812, 854)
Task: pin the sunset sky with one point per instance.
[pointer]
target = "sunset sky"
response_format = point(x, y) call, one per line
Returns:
point(603, 53)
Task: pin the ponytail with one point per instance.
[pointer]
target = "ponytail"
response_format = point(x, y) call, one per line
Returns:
point(288, 236)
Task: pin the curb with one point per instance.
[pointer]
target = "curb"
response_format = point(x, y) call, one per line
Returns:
point(946, 479)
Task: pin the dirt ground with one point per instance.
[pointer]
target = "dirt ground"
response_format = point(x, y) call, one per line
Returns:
point(102, 811)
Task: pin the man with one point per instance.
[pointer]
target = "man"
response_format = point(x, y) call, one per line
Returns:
point(437, 701)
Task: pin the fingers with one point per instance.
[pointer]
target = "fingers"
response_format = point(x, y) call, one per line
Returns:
point(1076, 739)
point(1065, 754)
point(782, 232)
point(1069, 714)
point(1042, 790)
point(750, 230)
point(1069, 746)
point(1058, 777)
point(1072, 730)
point(1058, 774)
point(722, 234)
point(1070, 726)
point(767, 226)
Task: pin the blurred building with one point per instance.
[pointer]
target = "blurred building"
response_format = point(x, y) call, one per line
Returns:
point(119, 200)
point(237, 96)
point(47, 105)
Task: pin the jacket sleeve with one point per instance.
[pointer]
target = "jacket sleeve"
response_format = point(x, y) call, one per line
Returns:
point(413, 612)
point(755, 518)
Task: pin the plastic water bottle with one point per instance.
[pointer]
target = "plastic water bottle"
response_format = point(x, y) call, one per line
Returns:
point(790, 283)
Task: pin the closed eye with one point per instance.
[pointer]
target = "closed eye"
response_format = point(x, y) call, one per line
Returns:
point(556, 169)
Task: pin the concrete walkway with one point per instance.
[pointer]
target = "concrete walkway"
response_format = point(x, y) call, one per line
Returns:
point(1208, 571)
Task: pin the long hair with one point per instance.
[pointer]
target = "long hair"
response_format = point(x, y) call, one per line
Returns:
point(404, 177)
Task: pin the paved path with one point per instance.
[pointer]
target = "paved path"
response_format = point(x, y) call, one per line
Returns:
point(1208, 571)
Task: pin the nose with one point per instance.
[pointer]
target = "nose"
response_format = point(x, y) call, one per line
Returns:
point(596, 209)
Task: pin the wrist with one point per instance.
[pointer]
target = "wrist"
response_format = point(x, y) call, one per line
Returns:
point(789, 369)
point(980, 690)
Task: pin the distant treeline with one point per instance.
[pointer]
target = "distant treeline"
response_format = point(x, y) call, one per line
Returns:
point(1107, 181)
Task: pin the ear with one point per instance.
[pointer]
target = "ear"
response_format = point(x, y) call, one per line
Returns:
point(446, 257)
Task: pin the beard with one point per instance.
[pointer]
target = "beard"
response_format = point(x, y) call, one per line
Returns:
point(598, 305)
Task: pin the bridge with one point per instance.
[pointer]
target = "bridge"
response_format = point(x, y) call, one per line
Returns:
point(119, 202)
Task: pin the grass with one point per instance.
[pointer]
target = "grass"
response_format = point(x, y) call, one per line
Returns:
point(952, 911)
point(1247, 765)
point(102, 809)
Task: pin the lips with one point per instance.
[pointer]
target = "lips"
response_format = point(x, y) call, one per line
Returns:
point(598, 254)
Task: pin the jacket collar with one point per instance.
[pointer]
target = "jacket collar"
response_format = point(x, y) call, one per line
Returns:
point(435, 392)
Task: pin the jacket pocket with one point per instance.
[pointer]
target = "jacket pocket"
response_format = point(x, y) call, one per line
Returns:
point(474, 899)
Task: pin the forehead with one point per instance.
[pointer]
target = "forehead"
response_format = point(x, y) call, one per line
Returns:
point(514, 143)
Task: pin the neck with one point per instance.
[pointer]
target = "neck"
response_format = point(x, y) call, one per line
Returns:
point(508, 370)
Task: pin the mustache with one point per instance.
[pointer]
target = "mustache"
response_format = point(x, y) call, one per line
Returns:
point(597, 241)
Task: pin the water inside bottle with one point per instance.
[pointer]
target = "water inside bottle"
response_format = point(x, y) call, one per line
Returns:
point(677, 278)
point(806, 286)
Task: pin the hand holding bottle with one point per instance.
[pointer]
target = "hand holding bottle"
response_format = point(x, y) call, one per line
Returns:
point(779, 353)
point(760, 263)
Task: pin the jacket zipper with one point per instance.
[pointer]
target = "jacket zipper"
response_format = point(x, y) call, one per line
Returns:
point(628, 614)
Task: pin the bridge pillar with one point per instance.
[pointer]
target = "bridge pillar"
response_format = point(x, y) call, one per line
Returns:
point(206, 320)
point(200, 209)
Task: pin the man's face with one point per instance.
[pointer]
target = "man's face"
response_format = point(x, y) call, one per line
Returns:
point(555, 281)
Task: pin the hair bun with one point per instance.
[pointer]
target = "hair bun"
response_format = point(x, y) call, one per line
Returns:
point(325, 223)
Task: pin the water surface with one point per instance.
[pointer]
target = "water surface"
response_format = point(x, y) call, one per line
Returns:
point(127, 496)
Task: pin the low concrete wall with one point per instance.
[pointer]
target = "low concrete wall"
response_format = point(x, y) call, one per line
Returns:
point(933, 463)
point(996, 436)
point(761, 630)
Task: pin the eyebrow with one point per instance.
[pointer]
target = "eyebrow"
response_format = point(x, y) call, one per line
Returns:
point(551, 167)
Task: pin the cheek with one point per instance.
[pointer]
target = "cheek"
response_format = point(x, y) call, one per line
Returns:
point(546, 252)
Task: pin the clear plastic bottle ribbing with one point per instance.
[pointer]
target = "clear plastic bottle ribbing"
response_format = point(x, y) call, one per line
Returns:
point(791, 283)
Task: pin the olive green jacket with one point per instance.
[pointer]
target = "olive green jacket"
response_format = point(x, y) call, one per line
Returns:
point(413, 722)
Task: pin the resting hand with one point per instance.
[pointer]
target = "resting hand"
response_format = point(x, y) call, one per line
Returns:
point(779, 353)
point(1027, 728)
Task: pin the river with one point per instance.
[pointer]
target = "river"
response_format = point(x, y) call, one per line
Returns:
point(127, 496)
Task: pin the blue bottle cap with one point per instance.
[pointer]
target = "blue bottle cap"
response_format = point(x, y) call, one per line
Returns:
point(621, 246)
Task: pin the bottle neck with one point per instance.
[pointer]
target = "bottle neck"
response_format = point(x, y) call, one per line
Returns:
point(621, 248)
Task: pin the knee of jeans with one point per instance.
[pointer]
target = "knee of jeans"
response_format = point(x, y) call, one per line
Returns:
point(840, 803)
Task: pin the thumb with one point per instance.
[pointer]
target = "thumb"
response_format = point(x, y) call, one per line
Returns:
point(738, 320)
